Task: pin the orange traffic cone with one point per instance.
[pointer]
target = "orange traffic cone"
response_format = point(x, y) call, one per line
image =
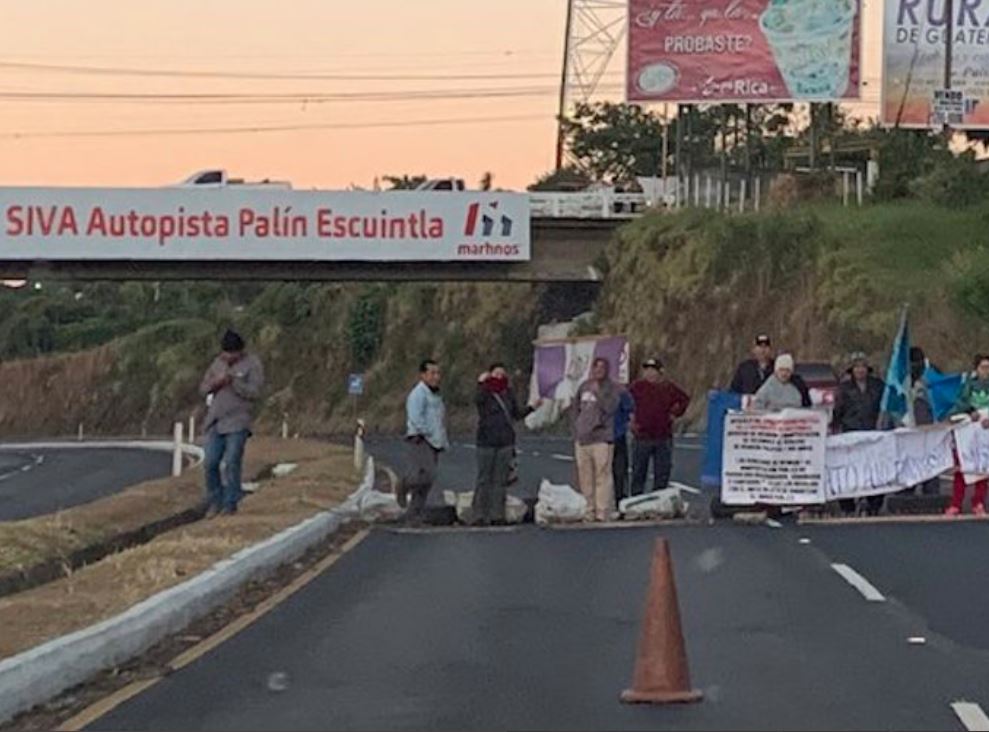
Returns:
point(661, 674)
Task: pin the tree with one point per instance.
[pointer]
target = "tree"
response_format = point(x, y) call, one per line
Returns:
point(404, 182)
point(487, 181)
point(613, 142)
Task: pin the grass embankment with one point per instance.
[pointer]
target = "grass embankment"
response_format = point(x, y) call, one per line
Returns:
point(325, 476)
point(824, 280)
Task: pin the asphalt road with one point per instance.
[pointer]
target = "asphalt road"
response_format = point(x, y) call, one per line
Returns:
point(536, 629)
point(39, 482)
point(539, 458)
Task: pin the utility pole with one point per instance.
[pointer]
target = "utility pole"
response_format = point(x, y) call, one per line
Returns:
point(595, 29)
point(562, 111)
point(679, 153)
point(949, 28)
point(666, 147)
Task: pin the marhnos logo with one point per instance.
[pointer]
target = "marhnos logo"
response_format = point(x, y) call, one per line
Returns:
point(488, 220)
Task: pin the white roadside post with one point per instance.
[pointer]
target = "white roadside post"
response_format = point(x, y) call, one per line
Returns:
point(844, 188)
point(192, 429)
point(177, 452)
point(285, 426)
point(80, 433)
point(758, 193)
point(741, 196)
point(858, 186)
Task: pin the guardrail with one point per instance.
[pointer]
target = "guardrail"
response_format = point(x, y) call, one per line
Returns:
point(588, 205)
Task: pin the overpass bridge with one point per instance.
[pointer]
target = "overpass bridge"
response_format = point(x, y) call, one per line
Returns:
point(567, 236)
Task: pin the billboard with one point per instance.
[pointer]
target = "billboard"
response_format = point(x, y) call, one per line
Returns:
point(734, 51)
point(913, 93)
point(170, 224)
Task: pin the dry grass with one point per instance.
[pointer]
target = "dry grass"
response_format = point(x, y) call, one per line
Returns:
point(325, 476)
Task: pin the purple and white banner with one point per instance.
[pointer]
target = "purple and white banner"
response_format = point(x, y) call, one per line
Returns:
point(561, 366)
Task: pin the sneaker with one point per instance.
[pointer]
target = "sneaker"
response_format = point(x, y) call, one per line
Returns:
point(954, 511)
point(211, 513)
point(979, 509)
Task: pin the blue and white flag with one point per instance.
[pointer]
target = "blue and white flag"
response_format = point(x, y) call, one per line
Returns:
point(897, 406)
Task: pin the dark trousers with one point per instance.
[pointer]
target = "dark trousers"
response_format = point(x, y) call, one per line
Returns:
point(873, 504)
point(423, 462)
point(619, 468)
point(660, 452)
point(493, 466)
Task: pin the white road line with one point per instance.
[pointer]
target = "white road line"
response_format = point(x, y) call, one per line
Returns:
point(972, 716)
point(860, 583)
point(684, 487)
point(565, 458)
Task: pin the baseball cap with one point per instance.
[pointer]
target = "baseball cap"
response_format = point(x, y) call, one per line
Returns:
point(763, 340)
point(652, 363)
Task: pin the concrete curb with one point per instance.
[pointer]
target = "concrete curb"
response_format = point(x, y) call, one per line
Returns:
point(37, 675)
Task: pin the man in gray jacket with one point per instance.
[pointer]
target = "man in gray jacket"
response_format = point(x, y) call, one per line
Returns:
point(234, 381)
point(594, 409)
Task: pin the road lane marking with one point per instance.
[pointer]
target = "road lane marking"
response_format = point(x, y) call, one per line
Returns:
point(95, 711)
point(860, 583)
point(972, 716)
point(565, 458)
point(685, 487)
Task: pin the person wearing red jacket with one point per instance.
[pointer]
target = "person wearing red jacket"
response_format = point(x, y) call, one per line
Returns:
point(658, 401)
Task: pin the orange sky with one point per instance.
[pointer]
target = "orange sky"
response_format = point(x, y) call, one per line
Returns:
point(428, 38)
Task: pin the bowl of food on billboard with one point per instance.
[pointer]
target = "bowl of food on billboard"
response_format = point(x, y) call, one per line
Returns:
point(811, 42)
point(658, 78)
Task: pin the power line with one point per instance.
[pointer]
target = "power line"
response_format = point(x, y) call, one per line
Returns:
point(256, 129)
point(259, 76)
point(282, 98)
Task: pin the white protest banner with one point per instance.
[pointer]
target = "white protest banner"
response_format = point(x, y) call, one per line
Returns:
point(923, 453)
point(972, 442)
point(860, 464)
point(774, 458)
point(234, 224)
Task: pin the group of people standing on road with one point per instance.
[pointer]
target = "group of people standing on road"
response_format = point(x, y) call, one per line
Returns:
point(774, 385)
point(604, 415)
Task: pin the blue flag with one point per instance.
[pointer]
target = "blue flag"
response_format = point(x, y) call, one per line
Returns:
point(896, 405)
point(943, 390)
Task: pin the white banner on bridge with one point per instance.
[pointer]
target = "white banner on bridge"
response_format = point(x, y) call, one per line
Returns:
point(774, 458)
point(230, 224)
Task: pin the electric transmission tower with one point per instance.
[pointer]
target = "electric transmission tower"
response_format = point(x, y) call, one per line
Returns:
point(595, 29)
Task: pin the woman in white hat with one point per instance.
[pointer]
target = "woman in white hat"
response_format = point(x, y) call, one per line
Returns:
point(779, 392)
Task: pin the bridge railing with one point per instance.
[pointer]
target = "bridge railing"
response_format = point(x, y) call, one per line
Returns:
point(588, 205)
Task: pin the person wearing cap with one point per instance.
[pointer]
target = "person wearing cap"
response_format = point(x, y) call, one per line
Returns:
point(658, 401)
point(751, 374)
point(779, 391)
point(856, 409)
point(233, 383)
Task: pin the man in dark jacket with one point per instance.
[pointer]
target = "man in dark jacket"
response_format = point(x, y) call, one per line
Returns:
point(658, 401)
point(856, 409)
point(497, 410)
point(753, 373)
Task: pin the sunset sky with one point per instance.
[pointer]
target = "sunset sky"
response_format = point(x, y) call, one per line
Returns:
point(515, 44)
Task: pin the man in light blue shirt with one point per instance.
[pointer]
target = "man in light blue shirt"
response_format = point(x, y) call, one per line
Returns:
point(425, 435)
